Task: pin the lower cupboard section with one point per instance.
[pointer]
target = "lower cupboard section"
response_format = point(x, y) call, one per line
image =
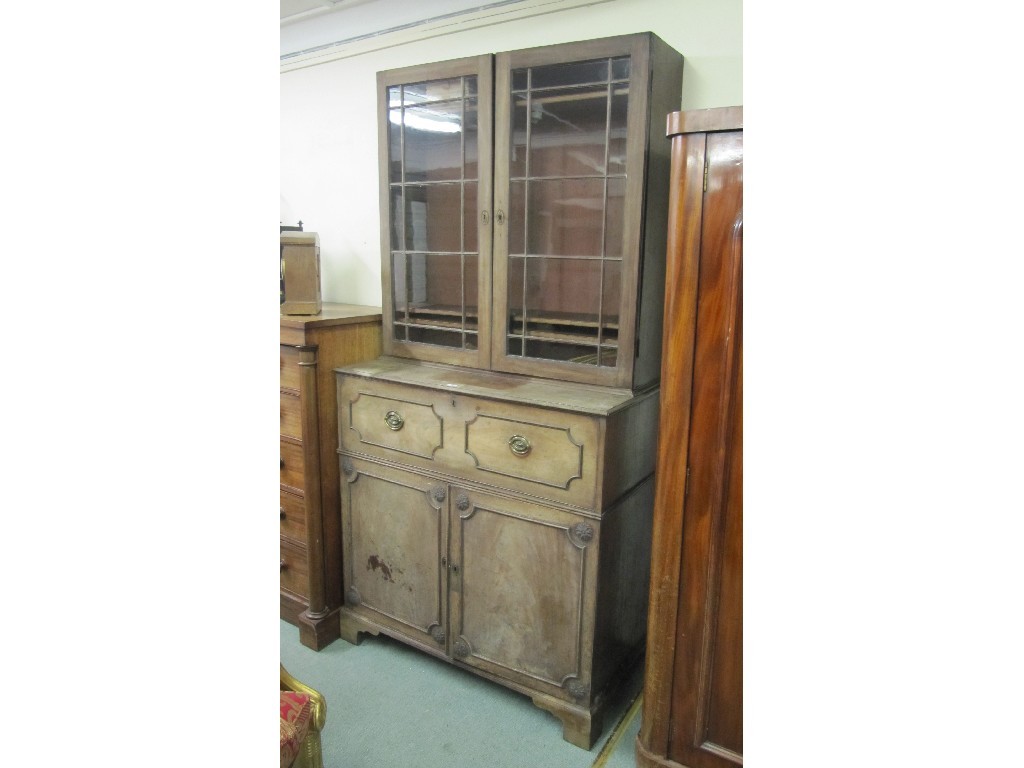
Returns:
point(501, 585)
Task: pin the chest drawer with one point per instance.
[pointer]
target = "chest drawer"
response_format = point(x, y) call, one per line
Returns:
point(293, 516)
point(294, 568)
point(542, 452)
point(291, 416)
point(289, 367)
point(292, 465)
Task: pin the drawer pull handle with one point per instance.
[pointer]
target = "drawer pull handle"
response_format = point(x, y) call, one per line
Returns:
point(519, 445)
point(283, 565)
point(394, 420)
point(283, 516)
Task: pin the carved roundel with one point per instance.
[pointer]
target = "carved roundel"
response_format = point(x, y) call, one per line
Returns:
point(581, 534)
point(347, 466)
point(352, 597)
point(461, 648)
point(577, 689)
point(439, 493)
point(462, 502)
point(438, 634)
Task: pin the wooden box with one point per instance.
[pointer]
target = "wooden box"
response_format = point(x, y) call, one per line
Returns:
point(300, 273)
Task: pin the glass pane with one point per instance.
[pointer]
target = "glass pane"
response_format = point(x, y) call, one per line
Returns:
point(470, 169)
point(567, 135)
point(611, 293)
point(433, 142)
point(516, 268)
point(565, 217)
point(432, 221)
point(570, 74)
point(395, 146)
point(584, 354)
point(620, 68)
point(435, 90)
point(471, 88)
point(395, 96)
point(517, 152)
point(520, 77)
point(435, 336)
point(400, 296)
point(395, 218)
point(517, 217)
point(470, 214)
point(614, 218)
point(471, 276)
point(617, 130)
point(435, 289)
point(562, 297)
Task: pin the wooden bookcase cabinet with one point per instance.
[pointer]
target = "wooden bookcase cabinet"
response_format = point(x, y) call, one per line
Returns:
point(498, 461)
point(311, 347)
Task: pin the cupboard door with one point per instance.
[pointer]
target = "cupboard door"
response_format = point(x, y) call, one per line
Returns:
point(570, 124)
point(395, 527)
point(435, 138)
point(522, 592)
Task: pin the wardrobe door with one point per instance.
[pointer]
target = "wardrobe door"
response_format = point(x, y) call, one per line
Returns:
point(693, 684)
point(708, 679)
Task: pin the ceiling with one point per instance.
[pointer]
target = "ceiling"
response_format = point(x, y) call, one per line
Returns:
point(292, 10)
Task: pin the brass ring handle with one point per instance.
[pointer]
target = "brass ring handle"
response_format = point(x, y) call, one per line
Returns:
point(283, 515)
point(394, 420)
point(283, 565)
point(519, 445)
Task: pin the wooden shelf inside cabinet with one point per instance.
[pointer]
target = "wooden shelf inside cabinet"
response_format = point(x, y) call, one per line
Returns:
point(311, 347)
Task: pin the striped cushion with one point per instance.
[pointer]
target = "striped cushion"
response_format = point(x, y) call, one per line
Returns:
point(295, 714)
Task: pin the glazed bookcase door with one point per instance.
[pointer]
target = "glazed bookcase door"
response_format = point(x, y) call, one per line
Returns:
point(570, 139)
point(436, 139)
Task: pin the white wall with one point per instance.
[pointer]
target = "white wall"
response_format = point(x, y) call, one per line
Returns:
point(328, 114)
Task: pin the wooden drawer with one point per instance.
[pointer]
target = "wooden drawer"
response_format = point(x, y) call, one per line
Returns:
point(291, 415)
point(289, 367)
point(542, 452)
point(405, 423)
point(294, 568)
point(540, 448)
point(293, 516)
point(292, 465)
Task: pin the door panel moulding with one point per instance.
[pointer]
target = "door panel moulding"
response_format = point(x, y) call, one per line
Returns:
point(458, 21)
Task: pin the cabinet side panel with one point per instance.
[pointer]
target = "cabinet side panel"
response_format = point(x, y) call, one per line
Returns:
point(666, 96)
point(624, 575)
point(630, 447)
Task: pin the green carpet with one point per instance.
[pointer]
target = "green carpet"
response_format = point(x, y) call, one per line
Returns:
point(390, 706)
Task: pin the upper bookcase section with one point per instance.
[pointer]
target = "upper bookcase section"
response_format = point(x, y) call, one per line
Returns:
point(523, 209)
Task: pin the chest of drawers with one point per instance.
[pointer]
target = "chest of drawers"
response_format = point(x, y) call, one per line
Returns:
point(499, 523)
point(311, 346)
